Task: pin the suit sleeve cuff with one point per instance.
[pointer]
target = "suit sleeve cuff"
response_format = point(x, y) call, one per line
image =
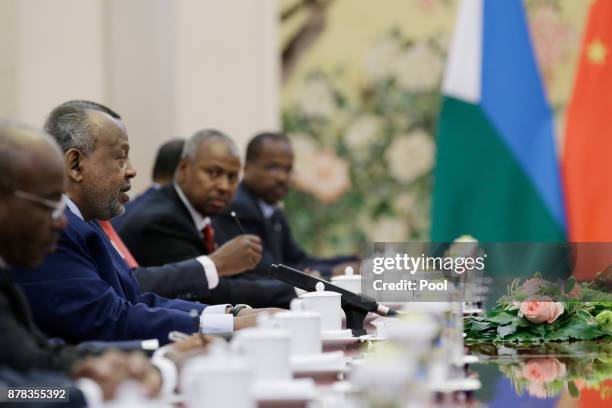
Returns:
point(216, 309)
point(216, 323)
point(210, 270)
point(91, 392)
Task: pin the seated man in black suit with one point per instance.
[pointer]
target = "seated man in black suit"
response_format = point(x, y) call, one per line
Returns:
point(173, 223)
point(166, 161)
point(32, 181)
point(267, 170)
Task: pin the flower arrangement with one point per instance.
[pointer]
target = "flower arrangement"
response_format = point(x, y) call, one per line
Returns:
point(546, 377)
point(537, 310)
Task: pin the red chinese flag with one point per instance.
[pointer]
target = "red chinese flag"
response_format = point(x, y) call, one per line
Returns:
point(587, 164)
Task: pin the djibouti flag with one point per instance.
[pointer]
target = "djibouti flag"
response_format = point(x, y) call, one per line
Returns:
point(497, 172)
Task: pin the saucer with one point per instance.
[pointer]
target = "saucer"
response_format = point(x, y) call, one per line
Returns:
point(318, 364)
point(294, 390)
point(457, 384)
point(334, 338)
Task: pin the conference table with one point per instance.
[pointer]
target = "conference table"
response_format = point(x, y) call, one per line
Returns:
point(577, 374)
point(554, 374)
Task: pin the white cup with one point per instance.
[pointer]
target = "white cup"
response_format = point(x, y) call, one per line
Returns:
point(212, 381)
point(327, 304)
point(268, 351)
point(303, 327)
point(348, 281)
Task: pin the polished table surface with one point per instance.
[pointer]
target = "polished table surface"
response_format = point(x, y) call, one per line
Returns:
point(575, 374)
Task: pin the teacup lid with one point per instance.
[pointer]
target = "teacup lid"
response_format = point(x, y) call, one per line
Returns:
point(349, 274)
point(296, 310)
point(320, 292)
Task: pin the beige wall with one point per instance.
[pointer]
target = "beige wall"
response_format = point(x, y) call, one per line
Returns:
point(169, 67)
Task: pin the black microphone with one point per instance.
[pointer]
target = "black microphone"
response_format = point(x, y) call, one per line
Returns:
point(235, 217)
point(356, 306)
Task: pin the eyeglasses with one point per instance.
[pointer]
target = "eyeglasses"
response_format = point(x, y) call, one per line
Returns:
point(57, 207)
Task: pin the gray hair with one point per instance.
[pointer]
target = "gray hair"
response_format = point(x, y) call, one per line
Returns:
point(193, 143)
point(70, 126)
point(15, 138)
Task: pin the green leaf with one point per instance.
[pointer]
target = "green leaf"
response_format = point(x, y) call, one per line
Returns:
point(573, 390)
point(480, 326)
point(569, 285)
point(503, 318)
point(576, 329)
point(504, 331)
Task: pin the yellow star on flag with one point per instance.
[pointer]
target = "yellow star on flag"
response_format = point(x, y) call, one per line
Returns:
point(597, 52)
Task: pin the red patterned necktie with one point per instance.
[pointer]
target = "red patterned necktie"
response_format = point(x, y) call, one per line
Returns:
point(209, 238)
point(123, 250)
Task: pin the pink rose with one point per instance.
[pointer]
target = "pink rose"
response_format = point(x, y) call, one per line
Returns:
point(542, 309)
point(543, 370)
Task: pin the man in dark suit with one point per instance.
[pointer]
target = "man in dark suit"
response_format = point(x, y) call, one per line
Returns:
point(166, 161)
point(173, 223)
point(84, 290)
point(32, 180)
point(267, 170)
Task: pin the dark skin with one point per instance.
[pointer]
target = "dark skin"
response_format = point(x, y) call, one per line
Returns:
point(28, 232)
point(99, 180)
point(209, 181)
point(269, 174)
point(268, 177)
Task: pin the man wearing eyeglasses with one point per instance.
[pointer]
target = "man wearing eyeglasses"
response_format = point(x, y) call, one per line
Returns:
point(85, 290)
point(32, 180)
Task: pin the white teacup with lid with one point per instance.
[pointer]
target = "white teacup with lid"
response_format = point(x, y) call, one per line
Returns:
point(349, 281)
point(211, 380)
point(268, 350)
point(304, 328)
point(327, 304)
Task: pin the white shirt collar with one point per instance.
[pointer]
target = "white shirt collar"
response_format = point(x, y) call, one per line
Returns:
point(266, 208)
point(199, 221)
point(73, 207)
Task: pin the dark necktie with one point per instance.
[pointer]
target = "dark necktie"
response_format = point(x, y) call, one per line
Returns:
point(274, 230)
point(209, 238)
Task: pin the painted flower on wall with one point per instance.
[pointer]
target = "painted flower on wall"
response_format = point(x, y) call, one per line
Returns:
point(316, 99)
point(419, 68)
point(363, 131)
point(381, 59)
point(323, 174)
point(411, 156)
point(367, 150)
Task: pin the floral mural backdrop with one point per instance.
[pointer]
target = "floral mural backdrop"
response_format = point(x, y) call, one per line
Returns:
point(361, 84)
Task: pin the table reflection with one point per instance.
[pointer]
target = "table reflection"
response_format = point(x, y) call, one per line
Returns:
point(575, 374)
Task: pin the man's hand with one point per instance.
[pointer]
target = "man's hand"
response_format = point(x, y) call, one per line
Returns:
point(237, 255)
point(196, 344)
point(248, 317)
point(113, 367)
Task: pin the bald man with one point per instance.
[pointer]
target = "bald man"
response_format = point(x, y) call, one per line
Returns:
point(174, 223)
point(32, 181)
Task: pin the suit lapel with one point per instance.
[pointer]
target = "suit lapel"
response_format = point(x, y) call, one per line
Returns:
point(183, 214)
point(273, 227)
point(119, 264)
